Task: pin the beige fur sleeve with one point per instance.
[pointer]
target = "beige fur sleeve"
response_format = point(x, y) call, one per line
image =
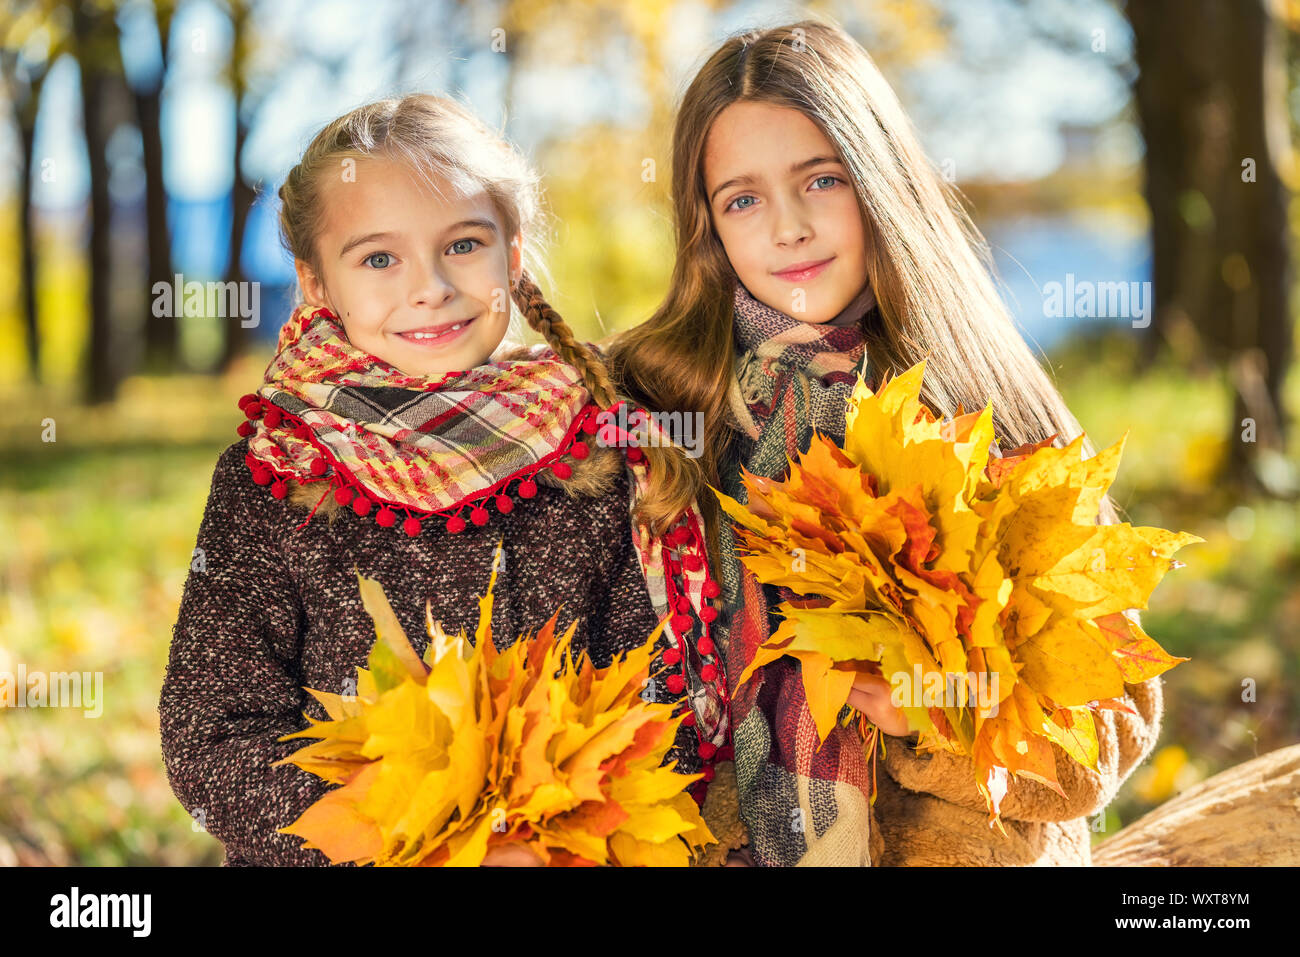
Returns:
point(1123, 741)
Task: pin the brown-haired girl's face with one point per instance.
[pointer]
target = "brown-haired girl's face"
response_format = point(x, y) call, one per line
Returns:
point(419, 280)
point(785, 211)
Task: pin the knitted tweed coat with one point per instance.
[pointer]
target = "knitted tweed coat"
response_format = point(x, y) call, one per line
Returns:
point(272, 607)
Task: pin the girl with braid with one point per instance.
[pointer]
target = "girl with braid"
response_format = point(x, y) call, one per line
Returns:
point(400, 432)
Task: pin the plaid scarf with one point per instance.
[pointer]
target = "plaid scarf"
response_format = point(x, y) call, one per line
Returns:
point(801, 803)
point(383, 441)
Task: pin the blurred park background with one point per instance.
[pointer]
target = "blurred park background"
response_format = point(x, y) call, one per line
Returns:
point(1147, 142)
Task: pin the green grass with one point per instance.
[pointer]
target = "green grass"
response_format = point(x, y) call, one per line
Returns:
point(96, 533)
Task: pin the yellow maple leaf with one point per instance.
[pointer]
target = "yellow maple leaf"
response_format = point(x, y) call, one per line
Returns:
point(443, 758)
point(980, 586)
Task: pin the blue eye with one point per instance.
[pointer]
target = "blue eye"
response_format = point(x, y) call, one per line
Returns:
point(384, 256)
point(461, 242)
point(833, 179)
point(737, 200)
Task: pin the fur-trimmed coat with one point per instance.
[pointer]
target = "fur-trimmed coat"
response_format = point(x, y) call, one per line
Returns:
point(929, 813)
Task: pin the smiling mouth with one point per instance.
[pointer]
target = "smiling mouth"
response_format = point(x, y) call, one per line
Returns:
point(436, 336)
point(804, 272)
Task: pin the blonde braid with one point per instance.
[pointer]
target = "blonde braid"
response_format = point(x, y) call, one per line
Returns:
point(670, 498)
point(543, 317)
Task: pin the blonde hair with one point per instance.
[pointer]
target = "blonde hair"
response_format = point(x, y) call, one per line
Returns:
point(438, 138)
point(929, 266)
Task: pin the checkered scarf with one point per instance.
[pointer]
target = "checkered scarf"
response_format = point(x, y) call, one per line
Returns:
point(407, 442)
point(801, 803)
point(379, 439)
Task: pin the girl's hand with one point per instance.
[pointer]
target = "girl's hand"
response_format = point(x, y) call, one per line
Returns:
point(870, 695)
point(511, 855)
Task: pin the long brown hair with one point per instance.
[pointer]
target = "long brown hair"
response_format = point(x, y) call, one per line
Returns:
point(438, 137)
point(929, 266)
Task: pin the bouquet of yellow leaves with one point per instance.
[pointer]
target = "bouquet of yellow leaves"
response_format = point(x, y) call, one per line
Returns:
point(469, 749)
point(980, 587)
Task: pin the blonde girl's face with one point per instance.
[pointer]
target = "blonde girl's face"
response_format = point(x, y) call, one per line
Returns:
point(785, 211)
point(419, 280)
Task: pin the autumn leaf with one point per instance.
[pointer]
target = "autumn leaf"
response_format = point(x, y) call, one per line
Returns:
point(961, 576)
point(442, 758)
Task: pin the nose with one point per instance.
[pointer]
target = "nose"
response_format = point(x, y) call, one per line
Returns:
point(791, 225)
point(431, 287)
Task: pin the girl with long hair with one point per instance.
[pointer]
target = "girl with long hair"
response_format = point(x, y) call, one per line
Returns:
point(816, 242)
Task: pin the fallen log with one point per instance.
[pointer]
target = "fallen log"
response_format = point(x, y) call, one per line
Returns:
point(1247, 815)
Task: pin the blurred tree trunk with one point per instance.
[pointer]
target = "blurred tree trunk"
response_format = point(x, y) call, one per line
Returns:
point(22, 83)
point(161, 333)
point(1262, 330)
point(96, 47)
point(1211, 98)
point(27, 239)
point(242, 195)
point(26, 112)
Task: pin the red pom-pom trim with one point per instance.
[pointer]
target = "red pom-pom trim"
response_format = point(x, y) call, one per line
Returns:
point(386, 517)
point(262, 476)
point(707, 771)
point(682, 622)
point(504, 504)
point(562, 470)
point(672, 656)
point(279, 489)
point(318, 466)
point(708, 673)
point(708, 613)
point(455, 525)
point(527, 488)
point(303, 432)
point(633, 455)
point(245, 429)
point(708, 749)
point(253, 410)
point(272, 418)
point(245, 399)
point(411, 526)
point(711, 589)
point(479, 515)
point(692, 563)
point(361, 505)
point(579, 450)
point(689, 720)
point(343, 495)
point(706, 645)
point(676, 683)
point(726, 753)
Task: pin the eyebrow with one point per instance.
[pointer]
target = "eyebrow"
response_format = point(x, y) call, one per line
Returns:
point(376, 237)
point(797, 167)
